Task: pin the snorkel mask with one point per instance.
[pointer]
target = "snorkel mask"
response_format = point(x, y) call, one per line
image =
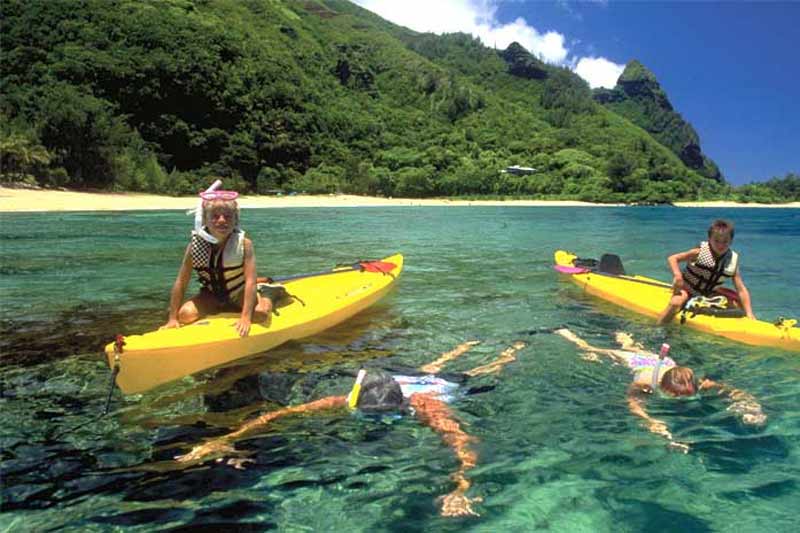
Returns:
point(375, 392)
point(198, 214)
point(657, 390)
point(352, 398)
point(212, 193)
point(656, 371)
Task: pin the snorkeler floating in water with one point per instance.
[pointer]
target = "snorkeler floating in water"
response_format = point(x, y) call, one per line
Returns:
point(658, 373)
point(374, 391)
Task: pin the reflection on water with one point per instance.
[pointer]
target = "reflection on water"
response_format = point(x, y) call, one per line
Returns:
point(557, 446)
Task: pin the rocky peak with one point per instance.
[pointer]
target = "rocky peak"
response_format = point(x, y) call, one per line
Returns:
point(638, 81)
point(522, 63)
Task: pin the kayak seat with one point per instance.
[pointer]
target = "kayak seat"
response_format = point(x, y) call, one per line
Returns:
point(611, 264)
point(278, 294)
point(584, 262)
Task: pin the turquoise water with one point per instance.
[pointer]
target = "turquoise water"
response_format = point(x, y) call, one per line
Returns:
point(557, 447)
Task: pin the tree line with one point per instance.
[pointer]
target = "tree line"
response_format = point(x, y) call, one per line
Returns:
point(317, 97)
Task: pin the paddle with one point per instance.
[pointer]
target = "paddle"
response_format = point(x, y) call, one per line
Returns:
point(570, 270)
point(369, 266)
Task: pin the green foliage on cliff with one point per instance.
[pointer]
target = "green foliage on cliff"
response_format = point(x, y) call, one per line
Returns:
point(639, 98)
point(315, 96)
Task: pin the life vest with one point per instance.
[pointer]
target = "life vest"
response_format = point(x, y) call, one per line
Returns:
point(220, 273)
point(704, 273)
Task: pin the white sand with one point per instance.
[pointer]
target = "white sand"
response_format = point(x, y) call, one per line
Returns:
point(13, 199)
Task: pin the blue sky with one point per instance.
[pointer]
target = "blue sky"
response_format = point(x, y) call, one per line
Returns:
point(732, 69)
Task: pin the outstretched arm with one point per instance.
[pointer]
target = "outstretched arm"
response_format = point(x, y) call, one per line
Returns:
point(743, 403)
point(222, 445)
point(620, 356)
point(437, 415)
point(744, 295)
point(458, 351)
point(636, 395)
point(506, 356)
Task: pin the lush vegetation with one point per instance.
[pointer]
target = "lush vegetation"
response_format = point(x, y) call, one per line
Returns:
point(315, 96)
point(639, 98)
point(775, 190)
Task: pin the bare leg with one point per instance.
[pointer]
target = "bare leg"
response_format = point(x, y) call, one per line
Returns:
point(626, 342)
point(675, 303)
point(620, 356)
point(436, 366)
point(197, 307)
point(262, 309)
point(506, 356)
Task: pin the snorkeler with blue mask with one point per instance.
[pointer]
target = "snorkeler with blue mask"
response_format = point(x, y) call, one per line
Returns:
point(426, 396)
point(659, 374)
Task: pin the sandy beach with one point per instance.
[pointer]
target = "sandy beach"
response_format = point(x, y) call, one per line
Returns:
point(32, 200)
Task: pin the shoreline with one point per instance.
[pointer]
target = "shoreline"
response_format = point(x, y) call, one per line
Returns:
point(28, 200)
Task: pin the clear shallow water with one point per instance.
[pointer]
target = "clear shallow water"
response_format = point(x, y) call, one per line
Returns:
point(557, 447)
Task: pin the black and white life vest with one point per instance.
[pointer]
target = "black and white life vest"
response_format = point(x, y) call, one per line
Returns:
point(220, 273)
point(704, 274)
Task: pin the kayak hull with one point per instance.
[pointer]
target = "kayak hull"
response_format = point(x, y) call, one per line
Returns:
point(649, 297)
point(319, 302)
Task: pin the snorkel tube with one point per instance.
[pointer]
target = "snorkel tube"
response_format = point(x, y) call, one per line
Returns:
point(352, 398)
point(661, 356)
point(198, 215)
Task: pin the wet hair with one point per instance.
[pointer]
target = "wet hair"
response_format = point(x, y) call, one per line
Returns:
point(721, 227)
point(379, 392)
point(229, 205)
point(679, 381)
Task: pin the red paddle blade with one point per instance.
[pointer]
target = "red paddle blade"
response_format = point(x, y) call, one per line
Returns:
point(378, 266)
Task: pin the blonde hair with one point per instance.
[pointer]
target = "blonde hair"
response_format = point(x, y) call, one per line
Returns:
point(209, 206)
point(679, 381)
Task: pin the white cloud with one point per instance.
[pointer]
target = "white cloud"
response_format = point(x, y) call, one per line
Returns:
point(478, 17)
point(599, 71)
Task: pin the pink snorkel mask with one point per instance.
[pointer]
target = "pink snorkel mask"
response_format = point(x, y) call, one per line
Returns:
point(219, 195)
point(210, 194)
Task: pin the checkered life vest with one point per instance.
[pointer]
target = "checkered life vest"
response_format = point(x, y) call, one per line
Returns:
point(220, 273)
point(705, 273)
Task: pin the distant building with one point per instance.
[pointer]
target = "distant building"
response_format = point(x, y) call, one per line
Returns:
point(518, 170)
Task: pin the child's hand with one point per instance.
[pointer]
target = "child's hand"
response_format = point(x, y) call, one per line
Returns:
point(171, 323)
point(678, 283)
point(679, 447)
point(214, 447)
point(457, 504)
point(243, 326)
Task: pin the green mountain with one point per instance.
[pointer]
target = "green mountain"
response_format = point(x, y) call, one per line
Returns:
point(639, 98)
point(309, 95)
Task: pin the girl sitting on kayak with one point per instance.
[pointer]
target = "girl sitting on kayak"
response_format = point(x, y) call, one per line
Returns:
point(377, 391)
point(706, 267)
point(226, 267)
point(658, 373)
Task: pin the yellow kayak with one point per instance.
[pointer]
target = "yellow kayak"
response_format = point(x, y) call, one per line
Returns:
point(606, 279)
point(315, 302)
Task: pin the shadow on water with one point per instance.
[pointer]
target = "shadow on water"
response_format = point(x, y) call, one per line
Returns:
point(640, 515)
point(85, 328)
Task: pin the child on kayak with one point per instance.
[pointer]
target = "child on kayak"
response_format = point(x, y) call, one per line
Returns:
point(706, 266)
point(377, 391)
point(226, 267)
point(658, 373)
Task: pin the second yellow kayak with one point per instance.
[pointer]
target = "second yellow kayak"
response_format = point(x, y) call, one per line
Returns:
point(649, 297)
